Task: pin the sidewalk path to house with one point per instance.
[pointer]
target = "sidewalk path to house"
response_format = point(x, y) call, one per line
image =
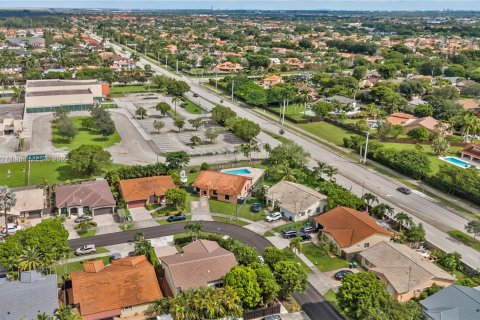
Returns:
point(201, 210)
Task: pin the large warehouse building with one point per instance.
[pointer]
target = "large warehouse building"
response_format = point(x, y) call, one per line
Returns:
point(73, 95)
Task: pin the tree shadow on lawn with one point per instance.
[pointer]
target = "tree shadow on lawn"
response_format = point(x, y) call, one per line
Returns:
point(65, 173)
point(100, 139)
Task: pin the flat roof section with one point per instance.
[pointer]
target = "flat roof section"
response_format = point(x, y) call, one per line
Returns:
point(58, 93)
point(60, 83)
point(11, 111)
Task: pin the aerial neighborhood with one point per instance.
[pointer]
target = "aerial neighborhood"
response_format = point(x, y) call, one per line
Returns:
point(212, 164)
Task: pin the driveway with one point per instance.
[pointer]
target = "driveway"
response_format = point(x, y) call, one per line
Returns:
point(335, 282)
point(140, 214)
point(104, 220)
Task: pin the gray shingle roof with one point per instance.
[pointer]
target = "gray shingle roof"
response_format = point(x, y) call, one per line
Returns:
point(20, 300)
point(453, 303)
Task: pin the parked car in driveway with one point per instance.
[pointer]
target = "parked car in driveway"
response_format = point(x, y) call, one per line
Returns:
point(86, 249)
point(404, 190)
point(177, 217)
point(11, 229)
point(304, 236)
point(255, 207)
point(342, 273)
point(289, 233)
point(308, 229)
point(273, 217)
point(85, 217)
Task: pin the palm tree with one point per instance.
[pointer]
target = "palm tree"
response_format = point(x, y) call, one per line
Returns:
point(296, 245)
point(164, 92)
point(161, 306)
point(7, 202)
point(330, 171)
point(30, 259)
point(304, 98)
point(369, 199)
point(320, 169)
point(176, 99)
point(382, 210)
point(143, 247)
point(403, 220)
point(44, 316)
point(65, 312)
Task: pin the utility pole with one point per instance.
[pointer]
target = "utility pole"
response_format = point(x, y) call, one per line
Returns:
point(166, 60)
point(233, 85)
point(366, 149)
point(177, 65)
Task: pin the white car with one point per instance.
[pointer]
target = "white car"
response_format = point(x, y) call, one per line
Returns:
point(86, 249)
point(273, 217)
point(11, 229)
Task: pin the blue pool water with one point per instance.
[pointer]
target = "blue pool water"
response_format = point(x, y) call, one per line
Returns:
point(457, 162)
point(238, 172)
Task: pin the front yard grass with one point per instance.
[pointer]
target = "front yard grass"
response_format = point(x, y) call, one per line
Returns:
point(323, 262)
point(294, 258)
point(88, 233)
point(331, 297)
point(232, 220)
point(465, 239)
point(327, 131)
point(62, 269)
point(15, 174)
point(427, 150)
point(84, 136)
point(243, 209)
point(128, 88)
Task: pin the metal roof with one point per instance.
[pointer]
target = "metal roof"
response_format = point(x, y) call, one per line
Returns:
point(453, 303)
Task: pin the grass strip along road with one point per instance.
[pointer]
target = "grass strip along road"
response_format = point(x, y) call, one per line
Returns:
point(312, 302)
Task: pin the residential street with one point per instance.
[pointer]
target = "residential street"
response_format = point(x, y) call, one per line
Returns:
point(311, 301)
point(436, 219)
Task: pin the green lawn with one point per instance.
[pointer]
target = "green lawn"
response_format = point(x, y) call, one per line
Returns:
point(243, 210)
point(465, 238)
point(331, 297)
point(327, 131)
point(323, 262)
point(62, 269)
point(164, 221)
point(231, 221)
point(435, 162)
point(268, 234)
point(190, 198)
point(84, 136)
point(290, 111)
point(89, 233)
point(293, 257)
point(128, 88)
point(54, 172)
point(192, 107)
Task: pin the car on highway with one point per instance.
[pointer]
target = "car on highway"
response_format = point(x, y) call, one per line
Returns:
point(304, 236)
point(195, 95)
point(85, 217)
point(404, 190)
point(342, 273)
point(308, 229)
point(176, 217)
point(273, 217)
point(86, 249)
point(11, 229)
point(289, 233)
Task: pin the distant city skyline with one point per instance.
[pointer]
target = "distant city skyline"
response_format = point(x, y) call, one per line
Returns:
point(366, 5)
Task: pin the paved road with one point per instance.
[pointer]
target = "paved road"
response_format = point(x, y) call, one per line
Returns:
point(311, 301)
point(436, 219)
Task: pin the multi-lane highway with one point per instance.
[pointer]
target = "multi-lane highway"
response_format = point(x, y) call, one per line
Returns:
point(311, 300)
point(436, 219)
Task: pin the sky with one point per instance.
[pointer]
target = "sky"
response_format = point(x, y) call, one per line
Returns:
point(409, 5)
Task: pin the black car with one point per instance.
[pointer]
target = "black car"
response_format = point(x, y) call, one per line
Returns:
point(404, 190)
point(308, 229)
point(177, 217)
point(340, 274)
point(304, 236)
point(287, 234)
point(195, 95)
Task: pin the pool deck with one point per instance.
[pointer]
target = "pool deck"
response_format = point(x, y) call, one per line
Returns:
point(255, 173)
point(459, 159)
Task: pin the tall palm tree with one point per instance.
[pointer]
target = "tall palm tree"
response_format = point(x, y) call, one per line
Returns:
point(175, 100)
point(143, 247)
point(320, 169)
point(296, 245)
point(330, 171)
point(382, 210)
point(30, 259)
point(287, 173)
point(369, 199)
point(403, 220)
point(7, 202)
point(304, 98)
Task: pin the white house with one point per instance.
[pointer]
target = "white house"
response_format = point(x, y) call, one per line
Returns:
point(295, 201)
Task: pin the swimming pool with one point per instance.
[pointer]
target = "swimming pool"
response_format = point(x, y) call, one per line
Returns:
point(457, 162)
point(238, 172)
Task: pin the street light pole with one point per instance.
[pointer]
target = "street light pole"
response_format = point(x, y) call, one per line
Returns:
point(366, 149)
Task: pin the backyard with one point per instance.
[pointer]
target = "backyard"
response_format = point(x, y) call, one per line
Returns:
point(62, 269)
point(84, 136)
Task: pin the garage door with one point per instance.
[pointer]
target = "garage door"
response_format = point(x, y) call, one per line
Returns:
point(35, 214)
point(100, 211)
point(136, 204)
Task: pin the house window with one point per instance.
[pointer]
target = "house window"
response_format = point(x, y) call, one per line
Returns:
point(215, 192)
point(366, 245)
point(204, 193)
point(366, 263)
point(318, 209)
point(227, 197)
point(127, 308)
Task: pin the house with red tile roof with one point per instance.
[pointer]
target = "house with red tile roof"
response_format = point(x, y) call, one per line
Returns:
point(202, 263)
point(350, 230)
point(126, 287)
point(222, 186)
point(472, 152)
point(137, 192)
point(399, 118)
point(428, 123)
point(271, 81)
